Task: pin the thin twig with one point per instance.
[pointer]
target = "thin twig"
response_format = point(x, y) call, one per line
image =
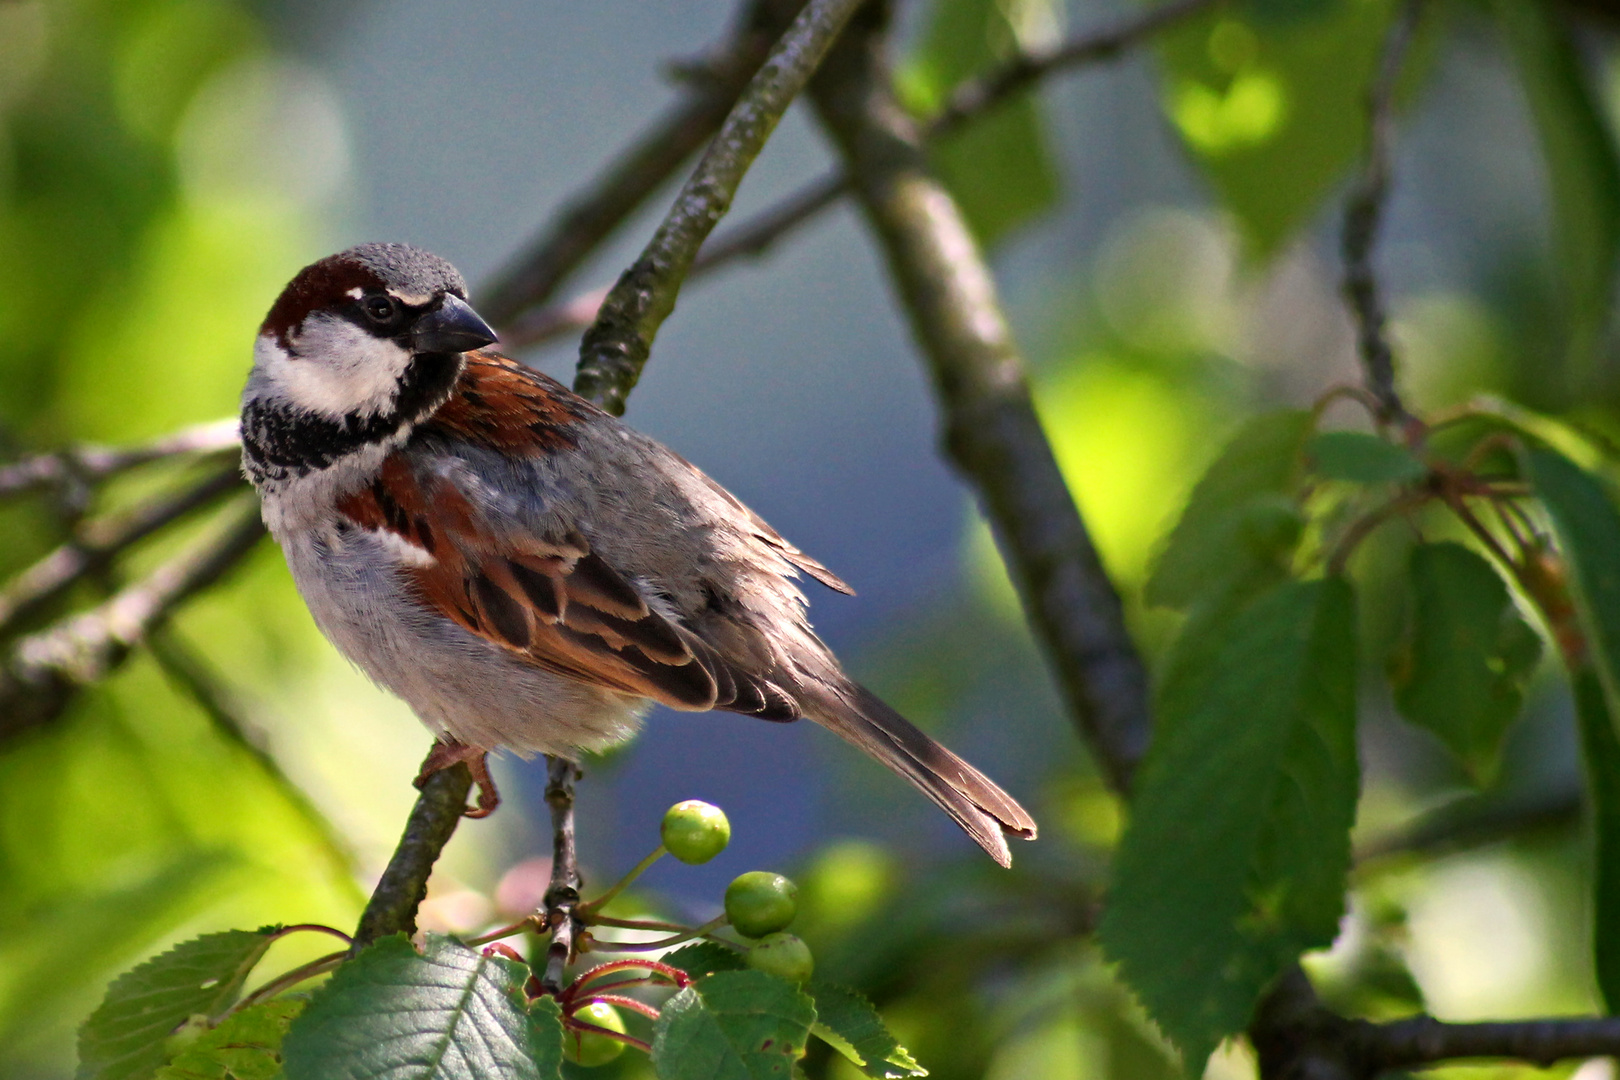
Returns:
point(1363, 214)
point(975, 97)
point(91, 463)
point(44, 671)
point(617, 345)
point(562, 895)
point(992, 432)
point(96, 544)
point(969, 101)
point(582, 225)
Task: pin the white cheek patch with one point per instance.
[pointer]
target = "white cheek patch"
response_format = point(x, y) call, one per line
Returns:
point(340, 369)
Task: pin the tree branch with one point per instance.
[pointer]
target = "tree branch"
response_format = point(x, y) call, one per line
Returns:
point(97, 544)
point(562, 895)
point(393, 904)
point(85, 464)
point(1297, 1038)
point(969, 101)
point(992, 432)
point(1363, 214)
point(617, 346)
point(590, 219)
point(44, 671)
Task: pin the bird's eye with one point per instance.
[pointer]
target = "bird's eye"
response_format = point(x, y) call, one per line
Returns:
point(380, 309)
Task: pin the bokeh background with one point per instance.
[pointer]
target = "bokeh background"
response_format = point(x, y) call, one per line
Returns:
point(166, 165)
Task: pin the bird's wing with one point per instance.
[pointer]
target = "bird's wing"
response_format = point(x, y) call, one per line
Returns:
point(551, 599)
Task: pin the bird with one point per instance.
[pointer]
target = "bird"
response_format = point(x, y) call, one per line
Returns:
point(525, 570)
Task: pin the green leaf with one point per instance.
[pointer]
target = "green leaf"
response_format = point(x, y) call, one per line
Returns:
point(124, 1037)
point(1462, 669)
point(1274, 108)
point(1582, 169)
point(733, 1025)
point(247, 1046)
point(1363, 459)
point(999, 168)
point(1235, 858)
point(546, 1036)
point(1601, 749)
point(847, 1021)
point(705, 958)
point(1587, 526)
point(1208, 547)
point(448, 1012)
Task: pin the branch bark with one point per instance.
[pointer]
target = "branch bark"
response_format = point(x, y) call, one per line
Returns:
point(617, 345)
point(403, 886)
point(44, 671)
point(992, 432)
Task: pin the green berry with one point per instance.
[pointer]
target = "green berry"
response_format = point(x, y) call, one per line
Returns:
point(760, 902)
point(590, 1047)
point(782, 955)
point(695, 831)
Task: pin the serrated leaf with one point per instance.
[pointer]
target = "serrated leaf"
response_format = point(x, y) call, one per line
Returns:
point(733, 1025)
point(1363, 459)
point(1582, 168)
point(447, 1013)
point(705, 958)
point(1468, 653)
point(247, 1046)
point(1207, 548)
point(849, 1023)
point(1587, 526)
point(124, 1037)
point(999, 168)
point(1235, 858)
point(1274, 109)
point(546, 1036)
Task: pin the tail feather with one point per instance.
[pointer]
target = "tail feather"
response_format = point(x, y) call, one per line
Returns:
point(982, 809)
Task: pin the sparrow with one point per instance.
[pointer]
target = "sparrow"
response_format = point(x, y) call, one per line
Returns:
point(522, 568)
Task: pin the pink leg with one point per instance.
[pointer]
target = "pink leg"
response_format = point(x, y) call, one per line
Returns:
point(447, 753)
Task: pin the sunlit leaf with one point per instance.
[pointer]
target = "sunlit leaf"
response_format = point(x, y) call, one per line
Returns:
point(1582, 167)
point(447, 1013)
point(1274, 107)
point(1211, 544)
point(1235, 857)
point(124, 1037)
point(848, 1022)
point(705, 958)
point(247, 1046)
point(734, 1025)
point(1362, 458)
point(546, 1036)
point(1462, 669)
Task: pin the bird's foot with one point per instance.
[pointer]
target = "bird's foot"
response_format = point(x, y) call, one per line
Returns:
point(447, 753)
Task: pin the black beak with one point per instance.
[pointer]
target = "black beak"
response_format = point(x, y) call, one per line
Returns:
point(452, 327)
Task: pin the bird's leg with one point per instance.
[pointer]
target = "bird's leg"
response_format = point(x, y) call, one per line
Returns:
point(447, 753)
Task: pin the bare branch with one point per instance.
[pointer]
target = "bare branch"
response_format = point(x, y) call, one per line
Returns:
point(1363, 214)
point(970, 101)
point(98, 543)
point(86, 464)
point(992, 432)
point(609, 200)
point(44, 671)
point(394, 902)
point(617, 345)
point(562, 895)
point(1297, 1038)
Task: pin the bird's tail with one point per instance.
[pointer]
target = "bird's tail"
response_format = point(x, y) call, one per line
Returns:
point(987, 813)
